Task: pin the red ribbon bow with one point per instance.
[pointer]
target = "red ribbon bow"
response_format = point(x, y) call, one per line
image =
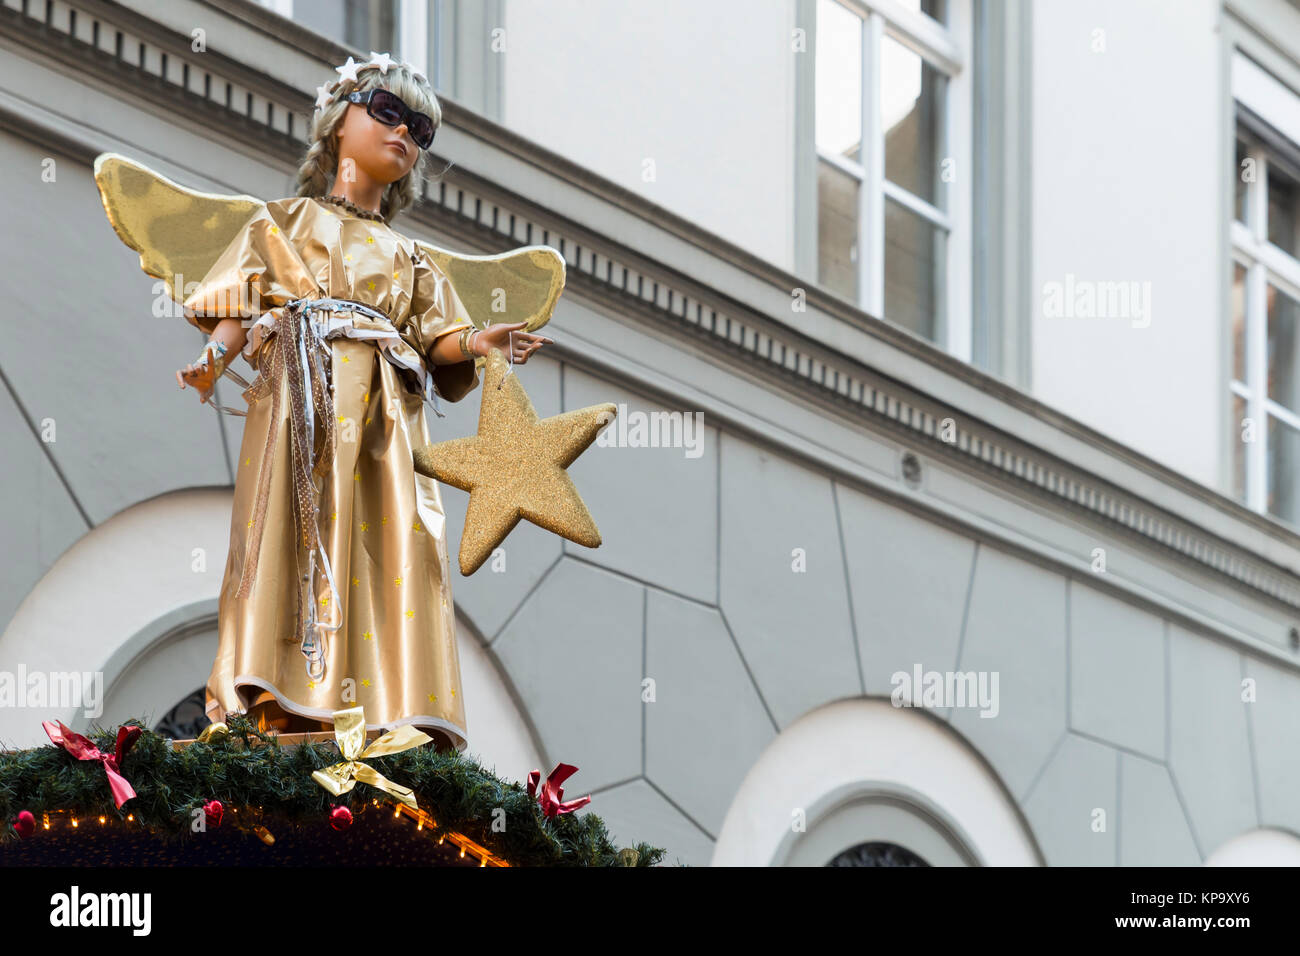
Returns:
point(81, 748)
point(553, 793)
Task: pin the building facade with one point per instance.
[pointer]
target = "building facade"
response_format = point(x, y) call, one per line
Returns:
point(949, 516)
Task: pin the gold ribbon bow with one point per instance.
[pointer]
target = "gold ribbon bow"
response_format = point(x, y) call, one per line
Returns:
point(350, 732)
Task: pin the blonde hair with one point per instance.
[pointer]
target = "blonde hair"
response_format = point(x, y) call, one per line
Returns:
point(319, 167)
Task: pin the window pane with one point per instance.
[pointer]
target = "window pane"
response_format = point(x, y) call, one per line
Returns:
point(839, 80)
point(837, 230)
point(1283, 196)
point(913, 270)
point(1238, 448)
point(1283, 321)
point(1239, 322)
point(1283, 457)
point(932, 8)
point(364, 24)
point(911, 113)
point(1240, 207)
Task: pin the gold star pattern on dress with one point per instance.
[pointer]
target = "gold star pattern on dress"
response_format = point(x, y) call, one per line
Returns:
point(368, 636)
point(365, 682)
point(515, 467)
point(410, 614)
point(356, 581)
point(397, 581)
point(365, 526)
point(433, 698)
point(416, 526)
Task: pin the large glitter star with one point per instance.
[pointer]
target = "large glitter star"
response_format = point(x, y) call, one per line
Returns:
point(515, 467)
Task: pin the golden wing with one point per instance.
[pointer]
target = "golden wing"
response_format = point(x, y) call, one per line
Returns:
point(179, 232)
point(526, 282)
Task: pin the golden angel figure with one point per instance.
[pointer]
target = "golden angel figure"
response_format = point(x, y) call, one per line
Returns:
point(337, 590)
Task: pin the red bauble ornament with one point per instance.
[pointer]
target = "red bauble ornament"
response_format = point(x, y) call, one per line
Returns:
point(340, 818)
point(25, 824)
point(213, 811)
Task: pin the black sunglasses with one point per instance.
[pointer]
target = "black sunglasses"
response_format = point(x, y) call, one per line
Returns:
point(388, 108)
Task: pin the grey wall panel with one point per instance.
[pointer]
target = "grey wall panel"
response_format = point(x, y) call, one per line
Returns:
point(637, 811)
point(41, 520)
point(1016, 627)
point(1209, 739)
point(1275, 725)
point(707, 725)
point(1073, 805)
point(1117, 671)
point(1153, 829)
point(792, 626)
point(909, 579)
point(574, 653)
point(657, 508)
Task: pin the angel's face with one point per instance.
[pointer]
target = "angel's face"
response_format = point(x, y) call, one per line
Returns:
point(383, 153)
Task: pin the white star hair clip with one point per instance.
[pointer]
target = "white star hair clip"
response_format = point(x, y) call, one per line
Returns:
point(348, 71)
point(326, 92)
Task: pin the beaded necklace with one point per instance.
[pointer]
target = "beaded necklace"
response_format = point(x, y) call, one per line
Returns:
point(352, 208)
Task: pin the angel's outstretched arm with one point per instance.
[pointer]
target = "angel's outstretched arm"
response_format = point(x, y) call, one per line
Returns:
point(203, 373)
point(447, 349)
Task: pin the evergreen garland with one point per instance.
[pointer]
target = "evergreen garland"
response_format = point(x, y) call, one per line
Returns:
point(170, 784)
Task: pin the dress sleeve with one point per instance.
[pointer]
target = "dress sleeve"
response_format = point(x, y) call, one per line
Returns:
point(257, 274)
point(436, 311)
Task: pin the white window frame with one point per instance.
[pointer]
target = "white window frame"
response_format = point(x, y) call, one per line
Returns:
point(1265, 264)
point(947, 49)
point(412, 29)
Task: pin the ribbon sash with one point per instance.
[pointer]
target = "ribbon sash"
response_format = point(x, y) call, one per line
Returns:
point(296, 349)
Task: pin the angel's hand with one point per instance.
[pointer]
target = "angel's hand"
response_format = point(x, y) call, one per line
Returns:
point(202, 376)
point(507, 337)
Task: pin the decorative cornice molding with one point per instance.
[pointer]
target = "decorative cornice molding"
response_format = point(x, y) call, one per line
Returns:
point(495, 218)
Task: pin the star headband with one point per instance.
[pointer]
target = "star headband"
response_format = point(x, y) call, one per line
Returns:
point(326, 92)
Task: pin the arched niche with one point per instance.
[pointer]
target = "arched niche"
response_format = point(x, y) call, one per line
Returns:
point(860, 771)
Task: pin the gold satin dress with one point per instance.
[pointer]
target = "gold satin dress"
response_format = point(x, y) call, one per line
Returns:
point(380, 523)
